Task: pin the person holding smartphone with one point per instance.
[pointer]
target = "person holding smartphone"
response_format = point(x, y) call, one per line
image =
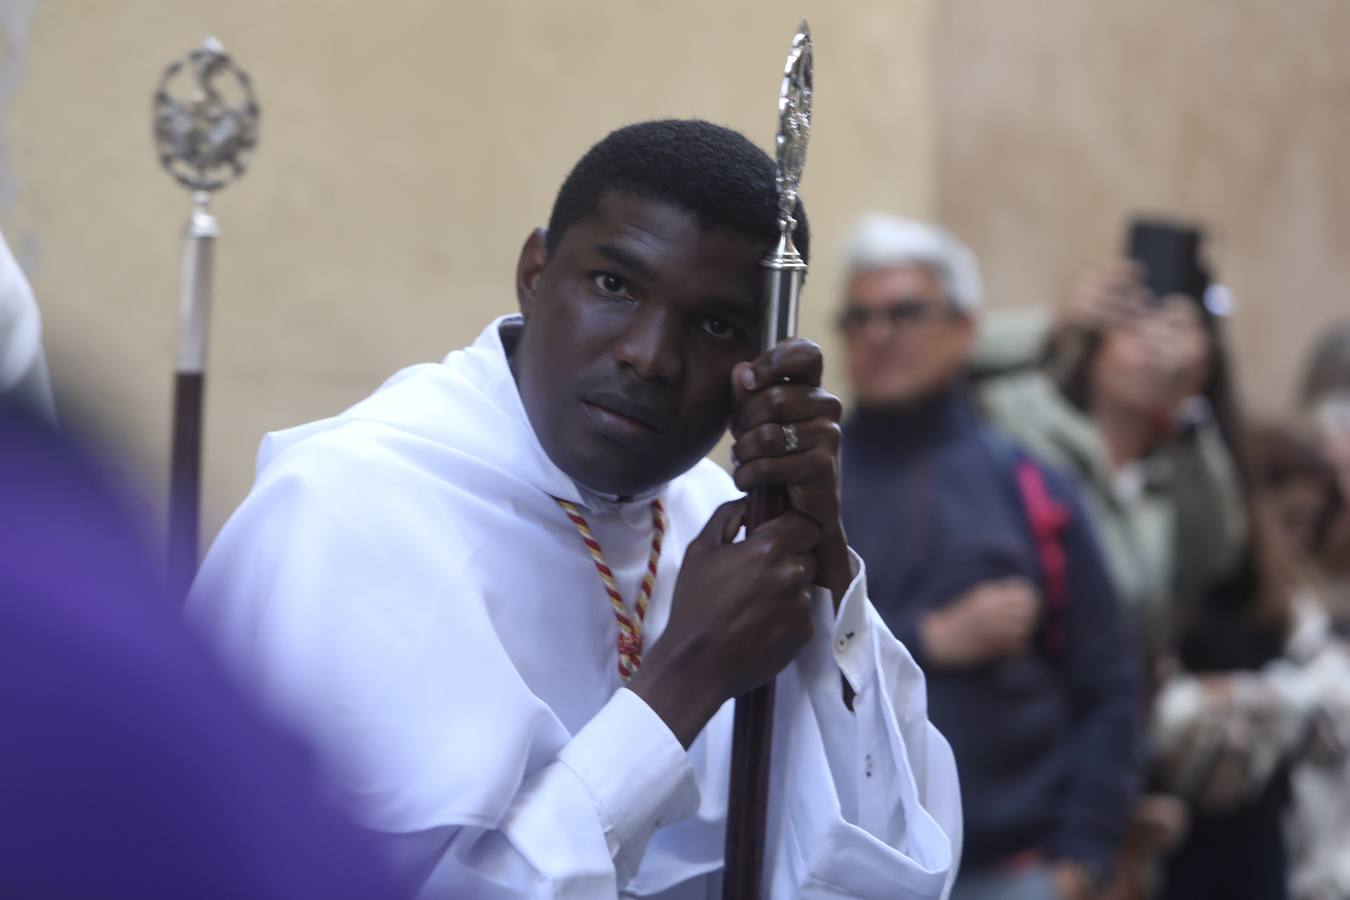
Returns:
point(1132, 392)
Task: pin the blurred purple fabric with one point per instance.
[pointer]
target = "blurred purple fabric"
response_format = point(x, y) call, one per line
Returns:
point(129, 765)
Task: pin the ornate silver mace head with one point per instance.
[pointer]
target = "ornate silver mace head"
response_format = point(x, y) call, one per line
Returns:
point(206, 119)
point(794, 124)
point(784, 267)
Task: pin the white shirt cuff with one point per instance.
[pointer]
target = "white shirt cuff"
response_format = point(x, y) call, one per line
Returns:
point(637, 772)
point(843, 638)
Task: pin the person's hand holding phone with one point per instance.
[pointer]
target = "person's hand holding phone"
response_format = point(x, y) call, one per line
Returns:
point(1105, 298)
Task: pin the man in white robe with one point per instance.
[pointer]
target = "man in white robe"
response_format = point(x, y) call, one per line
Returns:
point(410, 584)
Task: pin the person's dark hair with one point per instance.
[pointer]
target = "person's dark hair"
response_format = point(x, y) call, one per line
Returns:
point(712, 172)
point(1281, 452)
point(1329, 366)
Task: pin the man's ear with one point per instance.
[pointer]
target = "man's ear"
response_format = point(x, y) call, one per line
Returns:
point(530, 269)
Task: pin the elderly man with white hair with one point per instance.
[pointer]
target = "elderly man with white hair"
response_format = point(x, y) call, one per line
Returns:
point(984, 565)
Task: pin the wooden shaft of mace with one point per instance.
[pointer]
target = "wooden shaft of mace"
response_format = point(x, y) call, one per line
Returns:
point(752, 745)
point(185, 479)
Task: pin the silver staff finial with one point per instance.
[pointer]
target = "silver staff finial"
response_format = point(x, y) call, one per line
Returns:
point(794, 123)
point(206, 118)
point(784, 264)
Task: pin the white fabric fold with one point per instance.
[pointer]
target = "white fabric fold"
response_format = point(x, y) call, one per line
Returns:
point(637, 773)
point(23, 365)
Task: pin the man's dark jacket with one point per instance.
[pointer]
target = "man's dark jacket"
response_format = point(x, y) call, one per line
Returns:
point(1047, 743)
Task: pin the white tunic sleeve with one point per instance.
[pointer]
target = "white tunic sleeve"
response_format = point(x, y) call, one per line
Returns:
point(866, 802)
point(576, 828)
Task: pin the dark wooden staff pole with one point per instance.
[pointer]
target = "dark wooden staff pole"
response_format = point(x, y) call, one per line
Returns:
point(751, 756)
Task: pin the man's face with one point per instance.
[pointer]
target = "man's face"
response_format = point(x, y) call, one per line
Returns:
point(904, 339)
point(632, 328)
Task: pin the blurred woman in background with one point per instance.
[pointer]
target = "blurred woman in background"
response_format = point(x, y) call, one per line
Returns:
point(1134, 396)
point(1135, 399)
point(1298, 500)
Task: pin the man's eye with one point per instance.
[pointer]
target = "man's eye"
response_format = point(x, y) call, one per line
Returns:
point(719, 328)
point(612, 284)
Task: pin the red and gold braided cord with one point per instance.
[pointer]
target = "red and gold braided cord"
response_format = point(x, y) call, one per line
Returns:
point(630, 628)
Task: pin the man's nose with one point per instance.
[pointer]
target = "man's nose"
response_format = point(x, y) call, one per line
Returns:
point(652, 345)
point(879, 329)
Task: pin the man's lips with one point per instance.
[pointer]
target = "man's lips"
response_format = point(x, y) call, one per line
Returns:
point(615, 415)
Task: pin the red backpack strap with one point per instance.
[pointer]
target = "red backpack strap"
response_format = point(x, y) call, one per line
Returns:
point(1048, 520)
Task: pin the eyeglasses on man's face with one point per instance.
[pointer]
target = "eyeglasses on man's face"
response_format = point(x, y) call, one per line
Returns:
point(855, 319)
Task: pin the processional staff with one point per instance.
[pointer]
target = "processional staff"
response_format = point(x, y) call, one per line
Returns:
point(206, 128)
point(784, 270)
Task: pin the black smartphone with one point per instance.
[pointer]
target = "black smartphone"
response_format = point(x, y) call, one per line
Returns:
point(1170, 255)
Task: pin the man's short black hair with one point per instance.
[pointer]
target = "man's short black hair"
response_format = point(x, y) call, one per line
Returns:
point(712, 172)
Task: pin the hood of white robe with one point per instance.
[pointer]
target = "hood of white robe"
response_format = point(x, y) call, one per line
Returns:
point(484, 417)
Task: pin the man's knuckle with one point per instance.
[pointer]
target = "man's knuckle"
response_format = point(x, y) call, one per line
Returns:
point(764, 554)
point(833, 407)
point(819, 462)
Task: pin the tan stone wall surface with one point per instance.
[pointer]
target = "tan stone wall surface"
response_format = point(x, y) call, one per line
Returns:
point(407, 147)
point(1059, 118)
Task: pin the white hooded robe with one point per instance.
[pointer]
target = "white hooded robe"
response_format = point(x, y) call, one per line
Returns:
point(401, 586)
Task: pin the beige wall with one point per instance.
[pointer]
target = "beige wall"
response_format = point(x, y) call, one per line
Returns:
point(407, 148)
point(1057, 118)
